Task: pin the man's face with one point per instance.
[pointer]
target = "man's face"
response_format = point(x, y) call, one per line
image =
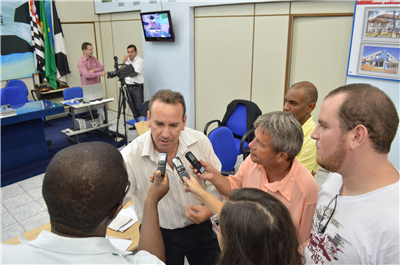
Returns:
point(296, 102)
point(330, 140)
point(166, 124)
point(88, 52)
point(260, 149)
point(132, 53)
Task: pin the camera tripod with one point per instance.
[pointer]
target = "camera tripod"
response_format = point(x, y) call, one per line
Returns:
point(122, 107)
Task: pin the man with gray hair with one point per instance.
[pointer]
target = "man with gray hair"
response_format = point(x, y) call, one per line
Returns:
point(274, 168)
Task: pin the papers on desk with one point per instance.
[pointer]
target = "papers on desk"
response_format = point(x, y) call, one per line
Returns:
point(125, 219)
point(122, 244)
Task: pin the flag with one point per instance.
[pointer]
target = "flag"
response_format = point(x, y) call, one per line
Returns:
point(50, 62)
point(60, 49)
point(37, 39)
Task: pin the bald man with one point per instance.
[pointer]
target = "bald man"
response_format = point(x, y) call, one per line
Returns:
point(83, 188)
point(300, 101)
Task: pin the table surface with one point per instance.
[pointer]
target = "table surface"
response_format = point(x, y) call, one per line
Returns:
point(33, 110)
point(132, 233)
point(142, 127)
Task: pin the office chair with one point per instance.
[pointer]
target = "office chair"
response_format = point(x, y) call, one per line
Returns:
point(13, 95)
point(143, 112)
point(19, 83)
point(224, 147)
point(239, 118)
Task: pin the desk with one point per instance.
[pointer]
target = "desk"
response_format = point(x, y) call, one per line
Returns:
point(23, 141)
point(142, 127)
point(132, 233)
point(49, 94)
point(83, 108)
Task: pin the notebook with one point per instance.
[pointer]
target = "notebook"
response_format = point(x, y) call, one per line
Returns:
point(93, 92)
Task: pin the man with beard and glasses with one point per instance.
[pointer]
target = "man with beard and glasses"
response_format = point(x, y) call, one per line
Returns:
point(357, 216)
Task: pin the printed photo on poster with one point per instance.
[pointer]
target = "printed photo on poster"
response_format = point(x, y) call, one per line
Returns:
point(380, 60)
point(382, 24)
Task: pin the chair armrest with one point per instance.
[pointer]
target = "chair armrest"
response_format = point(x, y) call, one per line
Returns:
point(244, 138)
point(209, 123)
point(35, 95)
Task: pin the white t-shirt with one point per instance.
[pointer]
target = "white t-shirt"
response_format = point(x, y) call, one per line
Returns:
point(364, 229)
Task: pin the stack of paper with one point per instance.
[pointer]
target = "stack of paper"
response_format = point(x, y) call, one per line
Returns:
point(125, 219)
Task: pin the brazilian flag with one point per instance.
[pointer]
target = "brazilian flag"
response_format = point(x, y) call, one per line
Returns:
point(50, 61)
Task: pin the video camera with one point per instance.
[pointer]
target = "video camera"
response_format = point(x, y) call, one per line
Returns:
point(126, 71)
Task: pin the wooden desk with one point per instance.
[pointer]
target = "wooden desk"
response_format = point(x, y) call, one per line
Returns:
point(49, 94)
point(132, 233)
point(142, 127)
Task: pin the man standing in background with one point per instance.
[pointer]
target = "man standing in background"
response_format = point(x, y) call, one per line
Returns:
point(90, 69)
point(134, 84)
point(300, 101)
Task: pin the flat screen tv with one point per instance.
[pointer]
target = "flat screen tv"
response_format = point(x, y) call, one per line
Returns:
point(157, 26)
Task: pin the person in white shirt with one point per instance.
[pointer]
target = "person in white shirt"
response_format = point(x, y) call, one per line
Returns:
point(83, 187)
point(134, 84)
point(357, 216)
point(185, 224)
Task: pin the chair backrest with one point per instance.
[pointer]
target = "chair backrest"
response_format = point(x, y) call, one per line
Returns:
point(240, 116)
point(224, 147)
point(20, 83)
point(145, 108)
point(13, 95)
point(73, 92)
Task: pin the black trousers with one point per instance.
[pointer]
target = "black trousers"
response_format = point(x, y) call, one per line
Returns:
point(135, 98)
point(198, 243)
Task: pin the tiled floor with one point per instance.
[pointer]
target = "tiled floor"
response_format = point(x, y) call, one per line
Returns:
point(23, 207)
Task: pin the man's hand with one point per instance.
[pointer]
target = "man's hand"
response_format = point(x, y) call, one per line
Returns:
point(125, 58)
point(159, 187)
point(197, 213)
point(208, 174)
point(103, 73)
point(91, 71)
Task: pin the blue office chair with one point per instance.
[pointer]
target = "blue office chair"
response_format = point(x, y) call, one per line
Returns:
point(224, 147)
point(13, 95)
point(71, 93)
point(19, 83)
point(143, 112)
point(239, 118)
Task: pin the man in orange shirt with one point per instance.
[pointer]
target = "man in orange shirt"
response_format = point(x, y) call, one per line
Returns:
point(274, 168)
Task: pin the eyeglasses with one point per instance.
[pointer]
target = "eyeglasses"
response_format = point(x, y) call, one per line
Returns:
point(323, 225)
point(215, 222)
point(126, 191)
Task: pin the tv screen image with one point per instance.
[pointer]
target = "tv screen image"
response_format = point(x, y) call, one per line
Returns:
point(157, 26)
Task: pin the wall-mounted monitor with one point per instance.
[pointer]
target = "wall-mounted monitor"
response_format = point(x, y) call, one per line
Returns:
point(157, 26)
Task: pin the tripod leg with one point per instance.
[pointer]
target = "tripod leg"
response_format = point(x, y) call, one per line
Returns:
point(131, 104)
point(120, 103)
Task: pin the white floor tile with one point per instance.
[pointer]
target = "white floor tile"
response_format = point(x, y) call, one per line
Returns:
point(11, 231)
point(36, 193)
point(17, 201)
point(26, 211)
point(35, 221)
point(11, 191)
point(32, 183)
point(42, 203)
point(7, 219)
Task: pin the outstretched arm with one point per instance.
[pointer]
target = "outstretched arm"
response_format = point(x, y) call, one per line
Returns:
point(150, 238)
point(212, 203)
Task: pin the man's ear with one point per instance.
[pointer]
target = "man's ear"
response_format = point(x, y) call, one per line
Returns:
point(358, 136)
point(115, 211)
point(148, 117)
point(310, 107)
point(281, 157)
point(184, 122)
